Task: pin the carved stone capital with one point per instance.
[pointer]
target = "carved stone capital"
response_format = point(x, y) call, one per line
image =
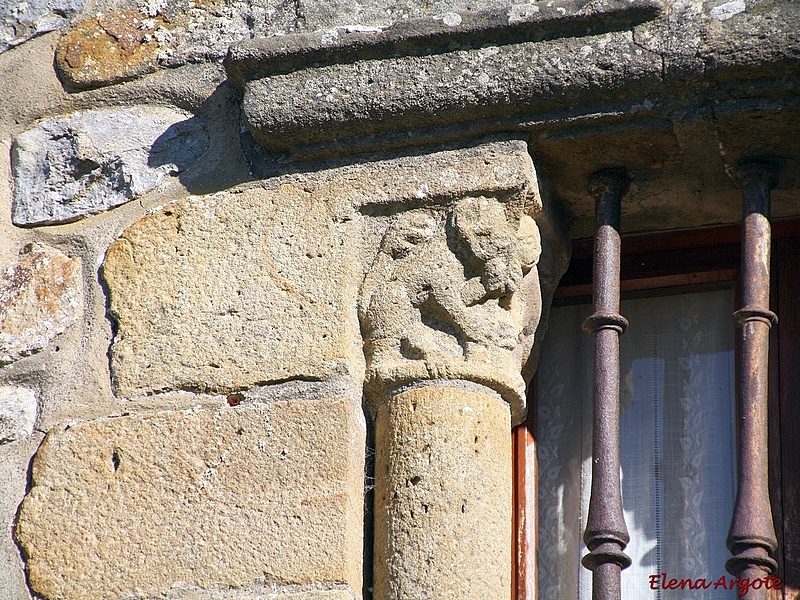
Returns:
point(454, 293)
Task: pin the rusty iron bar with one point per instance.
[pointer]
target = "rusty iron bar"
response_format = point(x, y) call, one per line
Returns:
point(606, 534)
point(751, 538)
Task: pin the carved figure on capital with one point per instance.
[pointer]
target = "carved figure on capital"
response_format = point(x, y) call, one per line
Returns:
point(451, 295)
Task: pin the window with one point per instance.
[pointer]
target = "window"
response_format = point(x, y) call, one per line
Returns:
point(677, 422)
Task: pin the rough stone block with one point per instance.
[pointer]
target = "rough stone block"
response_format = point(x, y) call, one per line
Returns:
point(71, 167)
point(20, 21)
point(225, 292)
point(142, 506)
point(40, 296)
point(109, 48)
point(18, 410)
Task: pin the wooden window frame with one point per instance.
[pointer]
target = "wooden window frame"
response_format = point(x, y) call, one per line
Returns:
point(672, 263)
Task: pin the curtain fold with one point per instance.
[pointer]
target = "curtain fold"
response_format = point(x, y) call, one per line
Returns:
point(677, 445)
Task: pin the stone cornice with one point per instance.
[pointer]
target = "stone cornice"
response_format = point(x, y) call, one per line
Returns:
point(459, 76)
point(255, 59)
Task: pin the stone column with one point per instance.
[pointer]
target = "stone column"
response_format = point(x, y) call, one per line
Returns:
point(448, 313)
point(443, 504)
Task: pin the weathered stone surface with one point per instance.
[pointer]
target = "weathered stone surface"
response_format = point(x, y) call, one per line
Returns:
point(205, 30)
point(437, 33)
point(21, 20)
point(727, 10)
point(261, 285)
point(170, 34)
point(109, 48)
point(40, 296)
point(443, 494)
point(368, 13)
point(137, 506)
point(71, 167)
point(124, 44)
point(18, 411)
point(318, 595)
point(467, 83)
point(293, 592)
point(224, 292)
point(454, 295)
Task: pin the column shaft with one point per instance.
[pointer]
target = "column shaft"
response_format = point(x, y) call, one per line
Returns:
point(443, 494)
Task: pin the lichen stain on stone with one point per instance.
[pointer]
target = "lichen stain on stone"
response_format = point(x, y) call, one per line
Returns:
point(40, 296)
point(108, 49)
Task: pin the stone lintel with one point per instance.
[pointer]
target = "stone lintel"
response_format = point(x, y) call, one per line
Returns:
point(422, 82)
point(252, 59)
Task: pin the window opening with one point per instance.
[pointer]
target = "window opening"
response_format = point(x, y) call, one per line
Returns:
point(673, 264)
point(676, 448)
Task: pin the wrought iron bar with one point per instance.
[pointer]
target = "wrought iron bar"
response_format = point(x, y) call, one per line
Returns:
point(751, 538)
point(606, 534)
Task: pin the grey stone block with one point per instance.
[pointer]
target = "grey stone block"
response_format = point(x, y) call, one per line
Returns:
point(22, 20)
point(18, 410)
point(71, 167)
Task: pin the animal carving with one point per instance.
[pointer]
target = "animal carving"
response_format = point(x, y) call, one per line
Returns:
point(443, 291)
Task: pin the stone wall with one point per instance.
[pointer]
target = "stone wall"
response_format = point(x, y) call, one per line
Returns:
point(184, 345)
point(216, 277)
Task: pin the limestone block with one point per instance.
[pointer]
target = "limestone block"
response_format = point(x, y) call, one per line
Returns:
point(109, 48)
point(40, 297)
point(22, 20)
point(264, 284)
point(71, 167)
point(443, 494)
point(137, 506)
point(229, 291)
point(18, 411)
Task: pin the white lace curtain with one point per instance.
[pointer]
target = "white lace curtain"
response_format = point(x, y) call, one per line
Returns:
point(677, 448)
